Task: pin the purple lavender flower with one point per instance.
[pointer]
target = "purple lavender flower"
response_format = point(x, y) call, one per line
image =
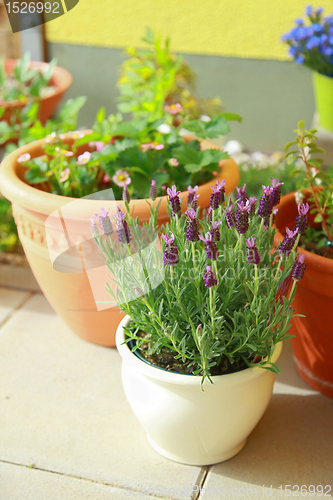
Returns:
point(192, 226)
point(122, 228)
point(252, 204)
point(209, 277)
point(288, 242)
point(191, 193)
point(242, 217)
point(241, 194)
point(298, 268)
point(125, 195)
point(215, 232)
point(276, 193)
point(105, 222)
point(266, 203)
point(217, 196)
point(153, 190)
point(252, 252)
point(210, 246)
point(93, 227)
point(230, 216)
point(170, 256)
point(302, 219)
point(174, 201)
point(194, 202)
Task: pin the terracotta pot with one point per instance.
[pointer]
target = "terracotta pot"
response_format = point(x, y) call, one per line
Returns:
point(61, 79)
point(313, 342)
point(69, 291)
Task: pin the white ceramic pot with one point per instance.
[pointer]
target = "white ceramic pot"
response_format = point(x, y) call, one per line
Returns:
point(184, 423)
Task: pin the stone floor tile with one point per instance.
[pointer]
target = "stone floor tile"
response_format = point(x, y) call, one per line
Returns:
point(9, 301)
point(23, 483)
point(291, 445)
point(18, 277)
point(62, 409)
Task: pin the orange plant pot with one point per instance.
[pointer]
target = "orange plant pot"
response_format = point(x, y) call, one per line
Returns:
point(61, 79)
point(69, 291)
point(313, 341)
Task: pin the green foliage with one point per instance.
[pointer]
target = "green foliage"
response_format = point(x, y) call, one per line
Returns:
point(154, 77)
point(141, 149)
point(25, 82)
point(8, 231)
point(314, 184)
point(242, 317)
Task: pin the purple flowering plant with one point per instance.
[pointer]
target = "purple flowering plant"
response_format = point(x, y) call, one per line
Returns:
point(311, 43)
point(314, 195)
point(223, 298)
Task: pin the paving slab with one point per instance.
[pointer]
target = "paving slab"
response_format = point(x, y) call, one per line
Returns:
point(9, 301)
point(19, 277)
point(62, 409)
point(291, 446)
point(22, 483)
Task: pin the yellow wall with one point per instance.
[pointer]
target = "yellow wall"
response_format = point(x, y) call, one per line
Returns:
point(238, 28)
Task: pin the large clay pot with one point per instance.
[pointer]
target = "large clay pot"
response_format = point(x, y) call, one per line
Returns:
point(69, 291)
point(313, 342)
point(61, 79)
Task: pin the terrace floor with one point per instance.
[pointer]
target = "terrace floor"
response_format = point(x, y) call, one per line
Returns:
point(68, 433)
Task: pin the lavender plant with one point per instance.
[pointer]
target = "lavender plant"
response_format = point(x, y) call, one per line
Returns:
point(212, 296)
point(312, 44)
point(315, 186)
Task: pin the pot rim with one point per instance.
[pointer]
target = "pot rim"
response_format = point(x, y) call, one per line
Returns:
point(63, 81)
point(16, 190)
point(312, 259)
point(237, 378)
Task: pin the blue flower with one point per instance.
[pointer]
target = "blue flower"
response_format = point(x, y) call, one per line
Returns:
point(299, 22)
point(327, 51)
point(308, 10)
point(299, 59)
point(317, 28)
point(312, 43)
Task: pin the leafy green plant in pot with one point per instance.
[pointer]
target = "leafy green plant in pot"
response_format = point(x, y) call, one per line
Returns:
point(313, 342)
point(154, 77)
point(207, 309)
point(312, 45)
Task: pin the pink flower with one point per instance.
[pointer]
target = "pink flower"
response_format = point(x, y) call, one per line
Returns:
point(174, 109)
point(23, 158)
point(121, 178)
point(147, 146)
point(159, 146)
point(64, 175)
point(84, 158)
point(99, 145)
point(64, 152)
point(106, 178)
point(173, 162)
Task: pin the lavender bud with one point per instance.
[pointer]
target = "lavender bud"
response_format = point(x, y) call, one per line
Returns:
point(241, 194)
point(276, 193)
point(230, 216)
point(288, 242)
point(94, 228)
point(170, 256)
point(174, 201)
point(153, 190)
point(194, 202)
point(252, 204)
point(210, 247)
point(192, 226)
point(138, 291)
point(217, 196)
point(215, 232)
point(122, 228)
point(125, 195)
point(298, 268)
point(191, 193)
point(302, 219)
point(266, 203)
point(242, 217)
point(252, 252)
point(104, 222)
point(209, 215)
point(209, 277)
